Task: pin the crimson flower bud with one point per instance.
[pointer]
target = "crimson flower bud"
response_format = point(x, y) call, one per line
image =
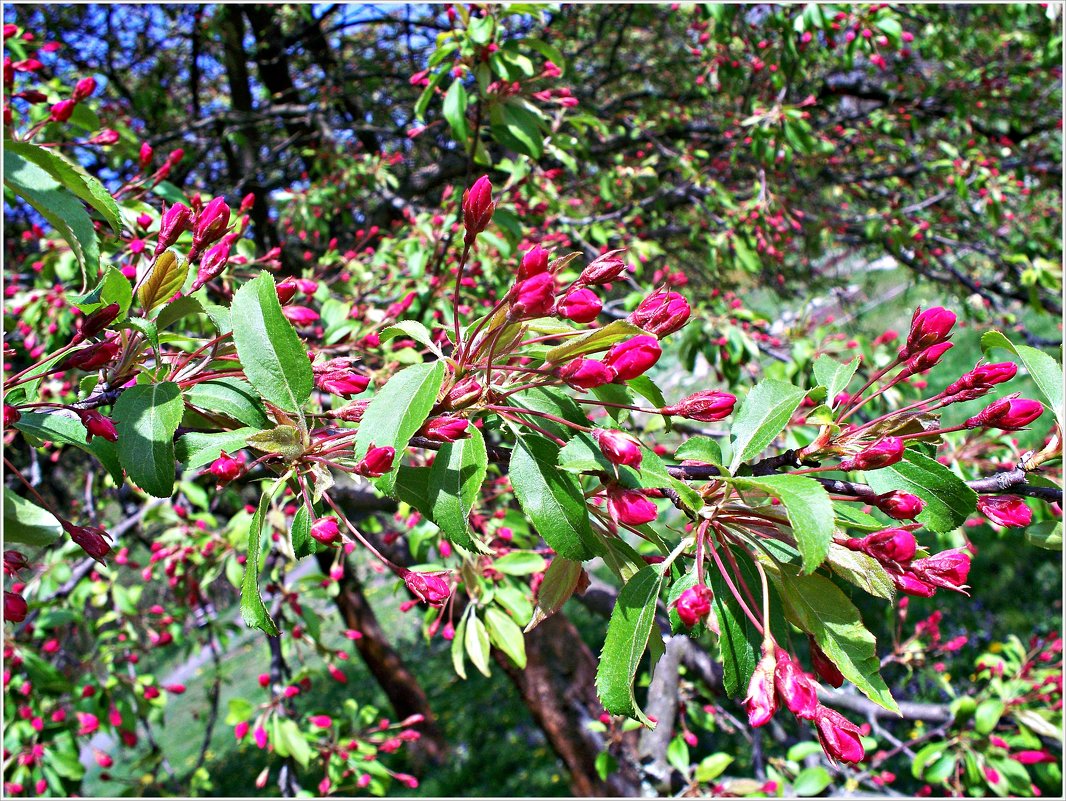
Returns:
point(983, 376)
point(11, 415)
point(823, 665)
point(465, 392)
point(900, 505)
point(761, 700)
point(633, 357)
point(32, 96)
point(175, 221)
point(108, 136)
point(308, 287)
point(240, 731)
point(618, 446)
point(343, 383)
point(890, 545)
point(706, 406)
point(926, 359)
point(477, 208)
point(432, 588)
point(928, 328)
point(947, 569)
point(93, 540)
point(260, 736)
point(603, 269)
point(14, 561)
point(300, 315)
point(174, 156)
point(210, 225)
point(286, 290)
point(586, 373)
point(839, 737)
point(325, 530)
point(97, 425)
point(630, 507)
point(1007, 414)
point(694, 604)
point(15, 607)
point(911, 584)
point(354, 411)
point(377, 462)
point(246, 203)
point(445, 429)
point(96, 322)
point(144, 158)
point(580, 305)
point(62, 110)
point(212, 265)
point(882, 453)
point(226, 468)
point(533, 297)
point(83, 89)
point(661, 313)
point(92, 357)
point(1005, 510)
point(533, 263)
point(794, 688)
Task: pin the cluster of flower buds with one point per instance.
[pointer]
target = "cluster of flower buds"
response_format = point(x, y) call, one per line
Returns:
point(210, 226)
point(661, 313)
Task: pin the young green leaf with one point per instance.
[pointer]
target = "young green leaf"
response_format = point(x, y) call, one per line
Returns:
point(455, 103)
point(455, 480)
point(520, 563)
point(60, 429)
point(253, 610)
point(833, 375)
point(27, 523)
point(763, 415)
point(198, 448)
point(477, 644)
point(114, 287)
point(560, 580)
point(594, 341)
point(1042, 368)
point(146, 417)
point(506, 635)
point(809, 510)
point(230, 397)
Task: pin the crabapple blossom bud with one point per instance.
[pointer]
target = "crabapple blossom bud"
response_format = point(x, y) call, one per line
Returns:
point(926, 359)
point(97, 425)
point(300, 315)
point(260, 736)
point(633, 357)
point(377, 462)
point(909, 583)
point(761, 700)
point(322, 721)
point(240, 731)
point(445, 429)
point(603, 269)
point(533, 297)
point(900, 505)
point(96, 322)
point(15, 607)
point(1005, 510)
point(62, 110)
point(586, 373)
point(983, 376)
point(465, 392)
point(11, 415)
point(533, 263)
point(928, 328)
point(93, 540)
point(353, 412)
point(694, 604)
point(325, 530)
point(246, 203)
point(144, 158)
point(108, 136)
point(661, 313)
point(630, 507)
point(618, 446)
point(793, 686)
point(210, 225)
point(212, 265)
point(174, 222)
point(947, 569)
point(892, 544)
point(706, 406)
point(226, 468)
point(882, 453)
point(83, 89)
point(343, 383)
point(579, 305)
point(14, 561)
point(92, 357)
point(477, 208)
point(286, 290)
point(432, 588)
point(823, 665)
point(1007, 414)
point(839, 737)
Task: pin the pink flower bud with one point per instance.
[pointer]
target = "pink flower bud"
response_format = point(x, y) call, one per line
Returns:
point(630, 507)
point(445, 428)
point(325, 530)
point(825, 668)
point(761, 700)
point(586, 373)
point(286, 290)
point(97, 425)
point(226, 468)
point(618, 446)
point(11, 415)
point(377, 462)
point(62, 110)
point(240, 731)
point(793, 686)
point(533, 263)
point(465, 392)
point(212, 265)
point(102, 759)
point(533, 297)
point(300, 316)
point(900, 505)
point(477, 208)
point(911, 584)
point(983, 376)
point(246, 203)
point(1033, 757)
point(96, 322)
point(1007, 414)
point(174, 156)
point(92, 357)
point(928, 328)
point(694, 604)
point(83, 89)
point(432, 588)
point(947, 569)
point(839, 737)
point(260, 736)
point(14, 562)
point(706, 406)
point(661, 313)
point(603, 269)
point(322, 721)
point(579, 305)
point(343, 383)
point(882, 453)
point(210, 225)
point(108, 136)
point(175, 221)
point(633, 357)
point(1005, 510)
point(144, 158)
point(15, 607)
point(890, 545)
point(926, 359)
point(93, 540)
point(87, 723)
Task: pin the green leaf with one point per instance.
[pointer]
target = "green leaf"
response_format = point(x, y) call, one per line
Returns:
point(427, 94)
point(27, 523)
point(550, 52)
point(283, 440)
point(862, 570)
point(56, 204)
point(811, 781)
point(739, 640)
point(198, 448)
point(551, 498)
point(291, 739)
point(477, 644)
point(455, 480)
point(455, 103)
point(69, 431)
point(833, 375)
point(72, 176)
point(146, 416)
point(114, 287)
point(809, 510)
point(231, 397)
point(396, 413)
point(506, 635)
point(273, 357)
point(710, 768)
point(1046, 534)
point(458, 648)
point(987, 716)
point(253, 610)
point(560, 581)
point(700, 449)
point(677, 753)
point(764, 414)
point(816, 605)
point(627, 638)
point(948, 501)
point(520, 563)
point(1042, 368)
point(414, 330)
point(648, 390)
point(303, 544)
point(594, 341)
point(522, 127)
point(554, 402)
point(166, 277)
